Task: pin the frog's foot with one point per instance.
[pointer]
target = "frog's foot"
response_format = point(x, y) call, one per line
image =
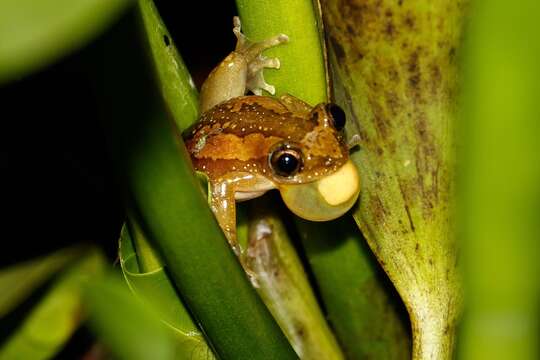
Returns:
point(252, 52)
point(255, 78)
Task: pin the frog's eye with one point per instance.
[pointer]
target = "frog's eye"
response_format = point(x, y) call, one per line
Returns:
point(337, 115)
point(286, 160)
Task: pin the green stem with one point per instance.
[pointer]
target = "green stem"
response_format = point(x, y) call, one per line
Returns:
point(279, 277)
point(302, 72)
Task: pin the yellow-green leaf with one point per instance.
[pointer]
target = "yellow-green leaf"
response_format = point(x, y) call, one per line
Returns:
point(35, 33)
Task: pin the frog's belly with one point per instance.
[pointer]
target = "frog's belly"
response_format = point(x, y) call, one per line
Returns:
point(247, 195)
point(252, 188)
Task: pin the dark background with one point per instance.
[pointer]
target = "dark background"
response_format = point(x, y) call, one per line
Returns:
point(56, 181)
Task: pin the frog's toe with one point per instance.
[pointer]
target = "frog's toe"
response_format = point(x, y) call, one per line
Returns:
point(250, 49)
point(255, 49)
point(237, 24)
point(271, 63)
point(276, 40)
point(262, 62)
point(256, 84)
point(237, 30)
point(270, 88)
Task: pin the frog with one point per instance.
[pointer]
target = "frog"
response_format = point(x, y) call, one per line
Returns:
point(247, 144)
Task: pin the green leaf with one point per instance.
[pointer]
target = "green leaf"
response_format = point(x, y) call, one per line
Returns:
point(166, 198)
point(36, 33)
point(499, 204)
point(18, 282)
point(59, 313)
point(125, 324)
point(397, 67)
point(145, 256)
point(177, 87)
point(155, 289)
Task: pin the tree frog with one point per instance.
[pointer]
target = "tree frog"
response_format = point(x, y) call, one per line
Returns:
point(247, 145)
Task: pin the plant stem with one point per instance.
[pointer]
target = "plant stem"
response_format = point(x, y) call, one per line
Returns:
point(433, 338)
point(279, 277)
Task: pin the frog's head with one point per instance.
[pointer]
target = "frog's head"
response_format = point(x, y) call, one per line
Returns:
point(314, 174)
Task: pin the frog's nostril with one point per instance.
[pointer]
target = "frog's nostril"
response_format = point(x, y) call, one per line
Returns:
point(338, 116)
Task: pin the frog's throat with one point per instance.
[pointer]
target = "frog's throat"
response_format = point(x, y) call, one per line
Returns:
point(325, 199)
point(341, 186)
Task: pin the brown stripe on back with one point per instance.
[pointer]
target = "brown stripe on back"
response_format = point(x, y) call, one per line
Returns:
point(232, 147)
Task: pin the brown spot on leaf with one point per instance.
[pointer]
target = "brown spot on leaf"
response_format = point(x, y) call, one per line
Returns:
point(338, 49)
point(413, 68)
point(409, 21)
point(436, 78)
point(377, 209)
point(390, 30)
point(393, 75)
point(452, 54)
point(299, 330)
point(392, 102)
point(411, 223)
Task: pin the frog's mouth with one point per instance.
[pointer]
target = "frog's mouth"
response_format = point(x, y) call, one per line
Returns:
point(325, 199)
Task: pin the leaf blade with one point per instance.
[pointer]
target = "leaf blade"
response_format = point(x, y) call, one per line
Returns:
point(34, 34)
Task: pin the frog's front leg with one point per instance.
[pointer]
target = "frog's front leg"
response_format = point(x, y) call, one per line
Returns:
point(223, 206)
point(240, 71)
point(225, 192)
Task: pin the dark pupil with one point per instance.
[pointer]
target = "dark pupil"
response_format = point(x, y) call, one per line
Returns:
point(286, 164)
point(338, 116)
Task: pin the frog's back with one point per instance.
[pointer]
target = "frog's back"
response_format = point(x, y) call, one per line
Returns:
point(240, 132)
point(247, 115)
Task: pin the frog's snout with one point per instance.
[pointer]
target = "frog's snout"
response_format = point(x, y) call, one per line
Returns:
point(325, 199)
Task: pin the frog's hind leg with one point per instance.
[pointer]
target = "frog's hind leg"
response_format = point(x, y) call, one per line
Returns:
point(295, 105)
point(252, 52)
point(240, 71)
